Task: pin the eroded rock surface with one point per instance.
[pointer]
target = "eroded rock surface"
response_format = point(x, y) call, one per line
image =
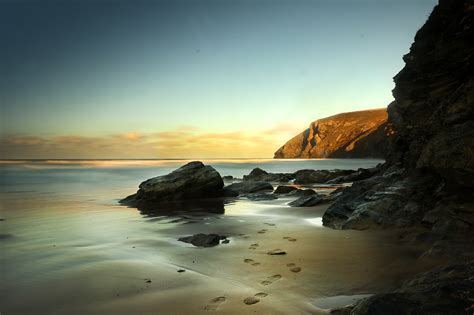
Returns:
point(360, 134)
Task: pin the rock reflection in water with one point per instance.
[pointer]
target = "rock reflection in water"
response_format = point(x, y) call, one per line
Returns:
point(188, 208)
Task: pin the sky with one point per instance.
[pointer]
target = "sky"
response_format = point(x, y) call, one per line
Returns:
point(190, 79)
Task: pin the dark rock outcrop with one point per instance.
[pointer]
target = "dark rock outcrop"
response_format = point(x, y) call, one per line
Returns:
point(428, 177)
point(257, 174)
point(445, 290)
point(360, 134)
point(318, 176)
point(191, 181)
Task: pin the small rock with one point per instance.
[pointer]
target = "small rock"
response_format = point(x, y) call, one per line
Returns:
point(203, 240)
point(285, 189)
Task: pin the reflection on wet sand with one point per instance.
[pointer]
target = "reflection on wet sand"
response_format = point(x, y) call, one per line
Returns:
point(196, 207)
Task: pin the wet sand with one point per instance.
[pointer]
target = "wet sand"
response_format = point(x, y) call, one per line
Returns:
point(107, 259)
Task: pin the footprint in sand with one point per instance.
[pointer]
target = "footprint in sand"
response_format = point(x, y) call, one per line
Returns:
point(215, 303)
point(290, 239)
point(253, 246)
point(254, 299)
point(251, 262)
point(293, 268)
point(271, 279)
point(262, 231)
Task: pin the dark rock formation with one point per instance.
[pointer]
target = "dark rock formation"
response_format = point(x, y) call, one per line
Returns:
point(318, 176)
point(307, 201)
point(191, 181)
point(446, 290)
point(303, 192)
point(257, 174)
point(362, 173)
point(433, 109)
point(203, 240)
point(249, 187)
point(428, 179)
point(360, 134)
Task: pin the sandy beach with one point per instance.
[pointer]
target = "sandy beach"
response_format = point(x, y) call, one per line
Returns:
point(94, 257)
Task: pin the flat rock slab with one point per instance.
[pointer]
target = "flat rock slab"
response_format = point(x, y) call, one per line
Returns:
point(203, 240)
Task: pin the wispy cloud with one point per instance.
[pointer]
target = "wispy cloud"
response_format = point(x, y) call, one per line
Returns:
point(184, 141)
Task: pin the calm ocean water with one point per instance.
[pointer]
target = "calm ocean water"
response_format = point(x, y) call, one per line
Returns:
point(87, 176)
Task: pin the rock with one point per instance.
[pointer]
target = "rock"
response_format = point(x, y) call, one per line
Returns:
point(181, 270)
point(432, 114)
point(191, 181)
point(303, 192)
point(228, 177)
point(361, 174)
point(257, 174)
point(203, 240)
point(381, 201)
point(285, 189)
point(360, 134)
point(276, 252)
point(445, 290)
point(318, 176)
point(249, 187)
point(307, 201)
point(261, 196)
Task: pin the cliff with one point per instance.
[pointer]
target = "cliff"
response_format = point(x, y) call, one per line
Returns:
point(434, 97)
point(360, 134)
point(429, 173)
point(426, 185)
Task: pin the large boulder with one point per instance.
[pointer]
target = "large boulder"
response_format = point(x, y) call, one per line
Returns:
point(191, 181)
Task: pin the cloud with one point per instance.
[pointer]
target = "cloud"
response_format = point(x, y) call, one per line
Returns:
point(182, 142)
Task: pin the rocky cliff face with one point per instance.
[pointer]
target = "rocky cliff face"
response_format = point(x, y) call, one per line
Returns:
point(360, 134)
point(434, 97)
point(427, 182)
point(428, 177)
